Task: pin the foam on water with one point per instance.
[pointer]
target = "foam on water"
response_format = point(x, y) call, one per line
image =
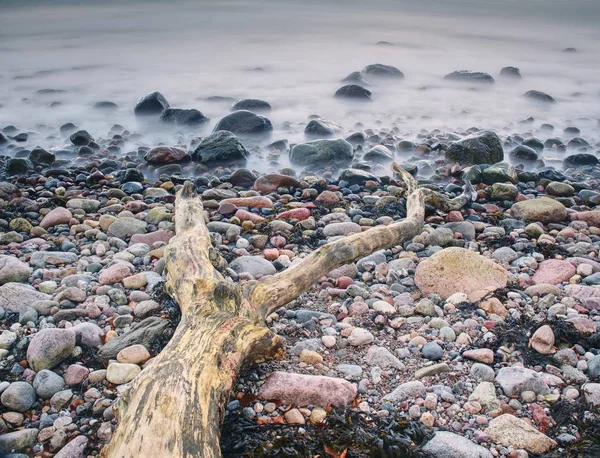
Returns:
point(294, 54)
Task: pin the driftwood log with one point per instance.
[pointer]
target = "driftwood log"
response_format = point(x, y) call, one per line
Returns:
point(175, 407)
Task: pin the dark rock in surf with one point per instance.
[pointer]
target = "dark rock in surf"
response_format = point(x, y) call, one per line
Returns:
point(511, 73)
point(356, 176)
point(379, 153)
point(18, 166)
point(534, 143)
point(383, 71)
point(244, 122)
point(479, 148)
point(570, 50)
point(151, 104)
point(3, 139)
point(41, 156)
point(467, 76)
point(356, 138)
point(354, 92)
point(580, 159)
point(182, 117)
point(243, 177)
point(356, 78)
point(81, 138)
point(577, 143)
point(220, 146)
point(539, 96)
point(321, 127)
point(322, 151)
point(67, 128)
point(523, 153)
point(105, 105)
point(255, 105)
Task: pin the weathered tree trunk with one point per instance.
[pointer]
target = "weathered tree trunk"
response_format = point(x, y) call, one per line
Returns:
point(175, 407)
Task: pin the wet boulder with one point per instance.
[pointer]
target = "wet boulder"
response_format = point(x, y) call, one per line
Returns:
point(105, 105)
point(255, 105)
point(479, 148)
point(151, 104)
point(354, 92)
point(511, 73)
point(467, 76)
point(41, 156)
point(182, 117)
point(356, 78)
point(321, 127)
point(539, 96)
point(383, 71)
point(579, 159)
point(379, 153)
point(18, 166)
point(523, 153)
point(244, 122)
point(166, 155)
point(322, 151)
point(220, 146)
point(81, 138)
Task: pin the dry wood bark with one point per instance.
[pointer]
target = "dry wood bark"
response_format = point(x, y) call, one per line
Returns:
point(175, 407)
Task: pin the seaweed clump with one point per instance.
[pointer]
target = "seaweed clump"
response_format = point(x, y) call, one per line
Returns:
point(344, 434)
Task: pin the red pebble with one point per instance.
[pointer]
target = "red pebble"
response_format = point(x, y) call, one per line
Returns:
point(297, 213)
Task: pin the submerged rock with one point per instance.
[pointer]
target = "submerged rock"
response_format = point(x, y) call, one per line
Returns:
point(244, 122)
point(539, 96)
point(354, 92)
point(468, 76)
point(183, 117)
point(151, 104)
point(383, 71)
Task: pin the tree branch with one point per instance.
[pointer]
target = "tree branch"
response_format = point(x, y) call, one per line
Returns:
point(275, 291)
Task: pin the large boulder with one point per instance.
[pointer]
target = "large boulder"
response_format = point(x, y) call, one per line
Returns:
point(303, 390)
point(166, 155)
point(244, 122)
point(183, 117)
point(458, 270)
point(539, 96)
point(16, 297)
point(151, 104)
point(50, 347)
point(321, 127)
point(467, 76)
point(515, 380)
point(543, 210)
point(511, 431)
point(322, 151)
point(354, 92)
point(480, 148)
point(580, 159)
point(13, 270)
point(220, 146)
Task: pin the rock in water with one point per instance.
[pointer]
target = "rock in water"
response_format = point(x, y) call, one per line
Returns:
point(449, 445)
point(255, 105)
point(543, 210)
point(539, 96)
point(524, 153)
point(183, 117)
point(383, 71)
point(166, 155)
point(220, 146)
point(354, 92)
point(511, 73)
point(322, 151)
point(244, 122)
point(356, 78)
point(455, 270)
point(467, 76)
point(576, 160)
point(511, 431)
point(322, 127)
point(151, 104)
point(480, 148)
